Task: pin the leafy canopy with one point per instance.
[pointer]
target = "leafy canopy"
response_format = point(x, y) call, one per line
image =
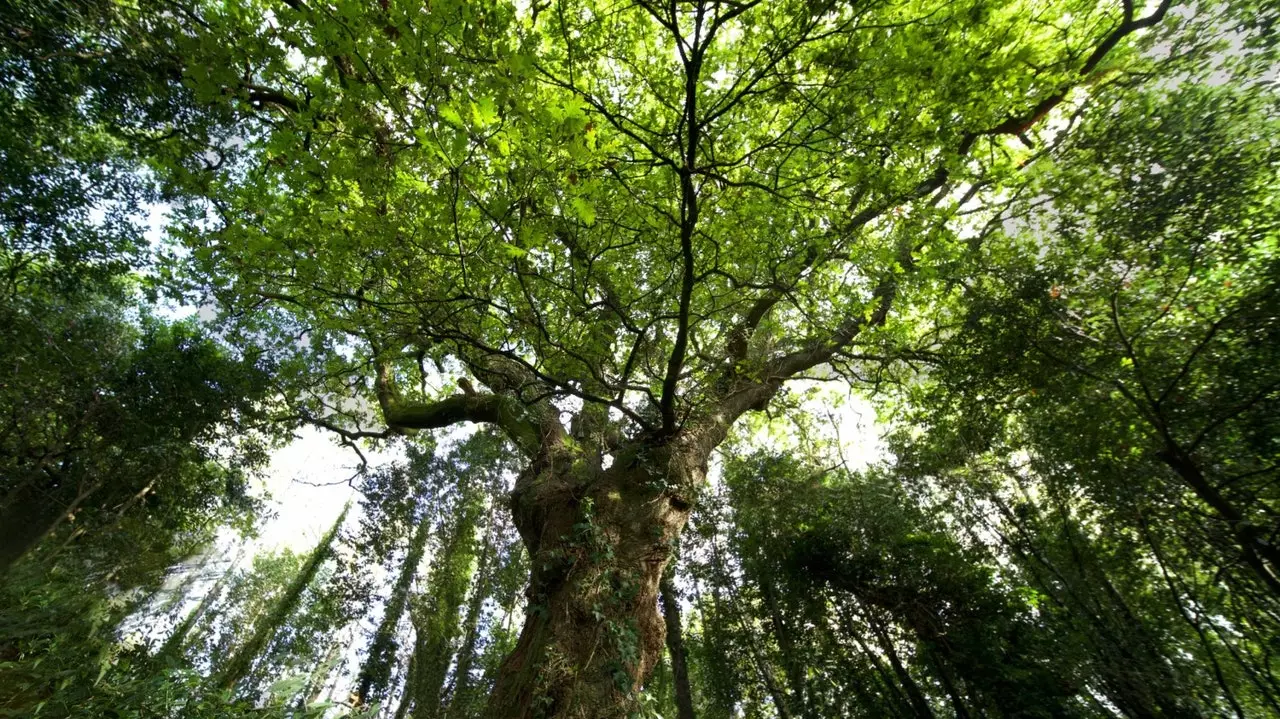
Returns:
point(662, 210)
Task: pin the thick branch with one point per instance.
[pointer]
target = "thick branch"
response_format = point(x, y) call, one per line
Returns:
point(504, 411)
point(823, 350)
point(741, 398)
point(264, 96)
point(1018, 124)
point(740, 336)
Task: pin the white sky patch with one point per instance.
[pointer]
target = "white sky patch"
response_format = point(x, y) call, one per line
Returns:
point(838, 415)
point(308, 487)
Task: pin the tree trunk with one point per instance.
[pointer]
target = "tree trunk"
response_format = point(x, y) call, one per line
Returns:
point(914, 694)
point(675, 647)
point(1258, 552)
point(177, 640)
point(406, 695)
point(894, 687)
point(791, 661)
point(460, 697)
point(598, 541)
point(314, 690)
point(241, 662)
point(376, 672)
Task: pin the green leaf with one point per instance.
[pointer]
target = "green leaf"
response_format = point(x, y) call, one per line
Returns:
point(583, 210)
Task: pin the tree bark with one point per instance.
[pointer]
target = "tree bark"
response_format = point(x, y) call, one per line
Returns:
point(599, 541)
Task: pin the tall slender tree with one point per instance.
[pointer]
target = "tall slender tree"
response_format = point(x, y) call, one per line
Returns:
point(238, 665)
point(675, 649)
point(375, 675)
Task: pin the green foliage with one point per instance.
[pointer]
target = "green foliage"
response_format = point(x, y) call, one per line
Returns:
point(84, 386)
point(819, 566)
point(86, 95)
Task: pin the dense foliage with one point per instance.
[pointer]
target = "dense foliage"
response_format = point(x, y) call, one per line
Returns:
point(592, 271)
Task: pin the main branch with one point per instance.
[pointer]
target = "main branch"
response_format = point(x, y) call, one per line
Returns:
point(504, 411)
point(688, 222)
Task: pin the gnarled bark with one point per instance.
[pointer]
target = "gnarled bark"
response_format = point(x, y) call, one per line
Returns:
point(599, 541)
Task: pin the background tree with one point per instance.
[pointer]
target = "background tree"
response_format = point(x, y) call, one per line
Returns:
point(239, 662)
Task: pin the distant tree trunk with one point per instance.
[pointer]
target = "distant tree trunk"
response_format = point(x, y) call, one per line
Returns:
point(1262, 556)
point(177, 641)
point(1175, 593)
point(599, 541)
point(460, 697)
point(953, 691)
point(720, 679)
point(918, 701)
point(410, 681)
point(376, 672)
point(436, 624)
point(241, 662)
point(792, 663)
point(314, 689)
point(891, 684)
point(675, 647)
point(1122, 672)
point(729, 604)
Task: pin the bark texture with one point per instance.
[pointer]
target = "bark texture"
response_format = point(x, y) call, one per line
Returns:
point(599, 541)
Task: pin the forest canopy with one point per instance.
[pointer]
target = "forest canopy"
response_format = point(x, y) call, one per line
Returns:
point(610, 283)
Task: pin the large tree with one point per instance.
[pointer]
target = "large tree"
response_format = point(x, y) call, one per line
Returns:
point(630, 223)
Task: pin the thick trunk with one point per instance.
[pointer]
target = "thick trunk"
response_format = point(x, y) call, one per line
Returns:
point(599, 541)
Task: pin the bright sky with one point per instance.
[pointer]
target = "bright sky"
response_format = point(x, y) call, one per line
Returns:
point(307, 483)
point(306, 480)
